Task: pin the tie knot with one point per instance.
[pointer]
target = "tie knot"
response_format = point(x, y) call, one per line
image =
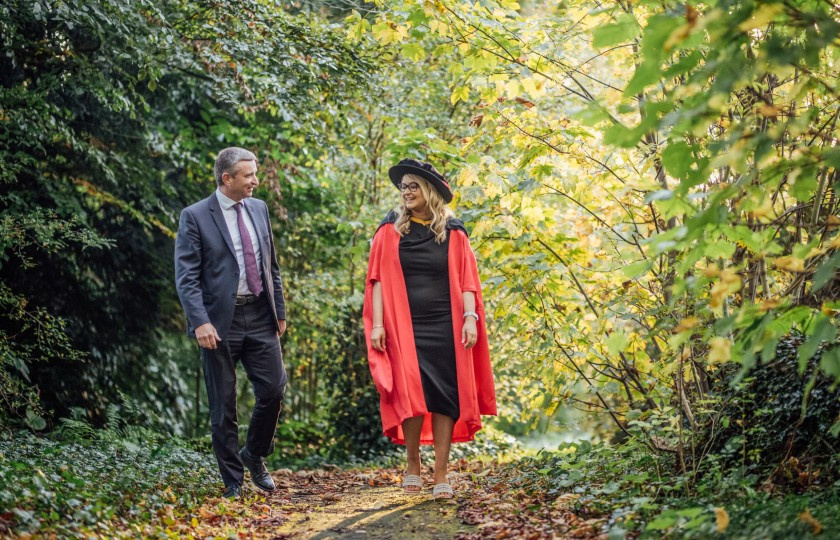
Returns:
point(237, 207)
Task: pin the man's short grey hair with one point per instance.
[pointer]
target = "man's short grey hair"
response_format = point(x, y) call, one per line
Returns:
point(227, 160)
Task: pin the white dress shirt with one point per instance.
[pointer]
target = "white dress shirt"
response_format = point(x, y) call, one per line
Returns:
point(233, 227)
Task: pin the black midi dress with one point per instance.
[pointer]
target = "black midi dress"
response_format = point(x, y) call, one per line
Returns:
point(425, 266)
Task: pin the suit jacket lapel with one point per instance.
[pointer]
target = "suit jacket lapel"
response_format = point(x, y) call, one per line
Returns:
point(219, 219)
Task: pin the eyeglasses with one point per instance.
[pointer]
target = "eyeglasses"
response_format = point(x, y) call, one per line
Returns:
point(412, 187)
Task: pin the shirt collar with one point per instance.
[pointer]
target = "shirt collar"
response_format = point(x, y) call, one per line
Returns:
point(224, 201)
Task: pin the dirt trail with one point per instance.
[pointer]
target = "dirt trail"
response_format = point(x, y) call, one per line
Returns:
point(332, 504)
point(368, 505)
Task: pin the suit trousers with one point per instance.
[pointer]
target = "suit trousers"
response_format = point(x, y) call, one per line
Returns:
point(252, 339)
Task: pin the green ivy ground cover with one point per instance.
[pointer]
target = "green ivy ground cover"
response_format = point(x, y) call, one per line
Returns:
point(71, 488)
point(644, 497)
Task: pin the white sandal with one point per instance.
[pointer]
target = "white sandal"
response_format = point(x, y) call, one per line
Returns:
point(443, 491)
point(412, 480)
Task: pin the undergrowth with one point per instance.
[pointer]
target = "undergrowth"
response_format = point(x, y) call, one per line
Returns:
point(489, 443)
point(640, 496)
point(85, 480)
point(765, 463)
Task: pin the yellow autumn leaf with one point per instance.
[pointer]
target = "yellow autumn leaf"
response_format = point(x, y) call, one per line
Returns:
point(720, 350)
point(729, 283)
point(686, 324)
point(790, 263)
point(769, 303)
point(491, 190)
point(205, 513)
point(533, 215)
point(534, 86)
point(814, 252)
point(761, 17)
point(387, 33)
point(721, 519)
point(829, 311)
point(770, 111)
point(439, 27)
point(194, 522)
point(481, 228)
point(509, 224)
point(730, 278)
point(509, 201)
point(816, 526)
point(356, 26)
point(462, 93)
point(467, 177)
point(710, 271)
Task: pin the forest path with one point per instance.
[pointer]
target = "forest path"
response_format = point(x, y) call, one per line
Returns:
point(331, 503)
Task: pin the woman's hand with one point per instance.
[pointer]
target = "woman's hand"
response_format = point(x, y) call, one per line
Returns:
point(469, 334)
point(377, 338)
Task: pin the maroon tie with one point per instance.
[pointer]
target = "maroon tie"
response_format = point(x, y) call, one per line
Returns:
point(252, 275)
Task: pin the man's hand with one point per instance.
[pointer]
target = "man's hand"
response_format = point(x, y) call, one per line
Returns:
point(281, 325)
point(207, 336)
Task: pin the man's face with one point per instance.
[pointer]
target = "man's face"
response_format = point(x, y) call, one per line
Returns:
point(242, 182)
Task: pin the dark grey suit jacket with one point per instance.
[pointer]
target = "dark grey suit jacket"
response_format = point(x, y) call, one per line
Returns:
point(206, 271)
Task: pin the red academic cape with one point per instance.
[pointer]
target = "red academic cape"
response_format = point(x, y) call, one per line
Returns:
point(396, 373)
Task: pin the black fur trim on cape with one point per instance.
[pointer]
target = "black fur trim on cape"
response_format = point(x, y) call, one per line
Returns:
point(453, 224)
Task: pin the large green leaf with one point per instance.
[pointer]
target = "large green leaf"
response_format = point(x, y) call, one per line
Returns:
point(677, 158)
point(624, 29)
point(646, 74)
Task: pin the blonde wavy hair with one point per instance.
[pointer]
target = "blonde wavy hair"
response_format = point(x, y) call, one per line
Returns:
point(437, 207)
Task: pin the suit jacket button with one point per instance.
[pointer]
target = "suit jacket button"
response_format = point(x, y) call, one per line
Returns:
point(233, 295)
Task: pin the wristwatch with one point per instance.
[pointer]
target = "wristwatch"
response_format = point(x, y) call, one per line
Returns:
point(471, 314)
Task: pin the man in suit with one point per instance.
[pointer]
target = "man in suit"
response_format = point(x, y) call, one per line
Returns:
point(229, 285)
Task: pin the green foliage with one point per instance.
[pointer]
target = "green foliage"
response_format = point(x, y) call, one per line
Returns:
point(641, 495)
point(490, 443)
point(32, 334)
point(111, 113)
point(652, 194)
point(775, 419)
point(333, 199)
point(96, 481)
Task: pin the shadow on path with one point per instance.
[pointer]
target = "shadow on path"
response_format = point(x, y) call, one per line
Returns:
point(380, 513)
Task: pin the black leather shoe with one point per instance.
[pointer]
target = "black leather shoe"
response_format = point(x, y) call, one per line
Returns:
point(233, 491)
point(259, 474)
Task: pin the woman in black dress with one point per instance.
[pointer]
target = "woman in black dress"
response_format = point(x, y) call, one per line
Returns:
point(424, 223)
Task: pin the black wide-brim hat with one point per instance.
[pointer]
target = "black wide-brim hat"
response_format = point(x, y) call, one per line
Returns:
point(424, 170)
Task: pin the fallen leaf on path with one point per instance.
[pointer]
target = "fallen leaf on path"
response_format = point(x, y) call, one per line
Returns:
point(566, 500)
point(205, 513)
point(721, 519)
point(816, 526)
